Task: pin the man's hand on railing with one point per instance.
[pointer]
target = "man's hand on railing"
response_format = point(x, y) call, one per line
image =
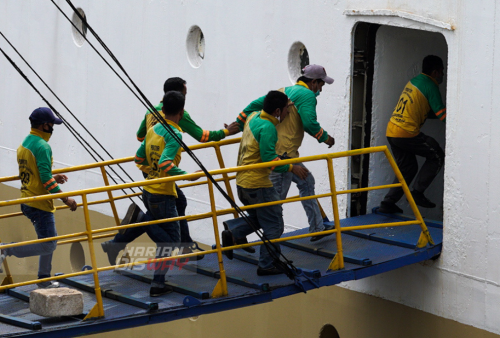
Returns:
point(71, 203)
point(60, 178)
point(196, 178)
point(233, 128)
point(300, 171)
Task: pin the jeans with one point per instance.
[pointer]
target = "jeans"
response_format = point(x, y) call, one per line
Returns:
point(282, 182)
point(180, 204)
point(45, 226)
point(405, 152)
point(165, 235)
point(269, 219)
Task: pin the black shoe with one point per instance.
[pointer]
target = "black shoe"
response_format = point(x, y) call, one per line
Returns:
point(131, 215)
point(389, 208)
point(155, 291)
point(421, 200)
point(227, 240)
point(112, 249)
point(269, 272)
point(244, 240)
point(318, 237)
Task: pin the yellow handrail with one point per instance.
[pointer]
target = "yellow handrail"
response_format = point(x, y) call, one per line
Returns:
point(220, 290)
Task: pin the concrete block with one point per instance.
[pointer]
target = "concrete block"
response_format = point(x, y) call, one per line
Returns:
point(56, 302)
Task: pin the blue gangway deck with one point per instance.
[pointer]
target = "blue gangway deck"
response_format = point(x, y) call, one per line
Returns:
point(126, 292)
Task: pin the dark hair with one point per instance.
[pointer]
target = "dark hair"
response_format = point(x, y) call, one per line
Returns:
point(35, 124)
point(430, 63)
point(274, 100)
point(304, 79)
point(174, 83)
point(173, 103)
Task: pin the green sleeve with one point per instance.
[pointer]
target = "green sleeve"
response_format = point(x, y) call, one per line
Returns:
point(436, 103)
point(267, 139)
point(44, 164)
point(189, 126)
point(167, 158)
point(141, 133)
point(307, 113)
point(140, 155)
point(256, 105)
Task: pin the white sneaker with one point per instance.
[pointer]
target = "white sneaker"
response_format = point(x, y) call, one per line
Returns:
point(48, 285)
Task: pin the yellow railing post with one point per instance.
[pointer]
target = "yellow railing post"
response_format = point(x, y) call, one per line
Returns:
point(338, 261)
point(220, 289)
point(225, 175)
point(110, 196)
point(98, 310)
point(425, 236)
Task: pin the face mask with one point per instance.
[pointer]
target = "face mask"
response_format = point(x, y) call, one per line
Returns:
point(50, 130)
point(317, 93)
point(279, 118)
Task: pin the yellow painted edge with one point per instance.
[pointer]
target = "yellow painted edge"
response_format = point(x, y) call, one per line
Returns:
point(94, 313)
point(334, 264)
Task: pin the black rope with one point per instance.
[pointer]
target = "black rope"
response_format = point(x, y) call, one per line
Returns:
point(51, 107)
point(287, 265)
point(70, 127)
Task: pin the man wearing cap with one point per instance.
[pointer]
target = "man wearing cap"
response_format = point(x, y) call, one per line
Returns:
point(34, 157)
point(420, 100)
point(302, 117)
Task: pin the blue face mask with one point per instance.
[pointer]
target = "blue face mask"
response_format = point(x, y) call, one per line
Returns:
point(317, 93)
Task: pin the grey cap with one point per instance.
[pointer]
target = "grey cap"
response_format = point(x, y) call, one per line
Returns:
point(316, 72)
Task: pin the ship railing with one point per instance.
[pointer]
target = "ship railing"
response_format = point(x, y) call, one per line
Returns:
point(221, 288)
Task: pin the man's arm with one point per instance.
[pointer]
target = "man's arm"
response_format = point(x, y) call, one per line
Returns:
point(256, 105)
point(140, 155)
point(166, 162)
point(189, 126)
point(141, 133)
point(436, 103)
point(307, 113)
point(43, 162)
point(267, 139)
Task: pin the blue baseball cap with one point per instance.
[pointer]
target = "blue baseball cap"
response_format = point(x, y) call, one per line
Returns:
point(44, 115)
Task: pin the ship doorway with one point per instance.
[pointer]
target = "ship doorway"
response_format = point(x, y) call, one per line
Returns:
point(361, 110)
point(384, 59)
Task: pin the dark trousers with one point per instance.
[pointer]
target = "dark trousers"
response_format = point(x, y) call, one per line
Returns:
point(405, 152)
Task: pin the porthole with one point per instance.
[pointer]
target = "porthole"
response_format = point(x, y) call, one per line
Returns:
point(195, 45)
point(82, 27)
point(298, 58)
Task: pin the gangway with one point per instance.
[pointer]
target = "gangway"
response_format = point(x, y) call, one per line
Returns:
point(117, 297)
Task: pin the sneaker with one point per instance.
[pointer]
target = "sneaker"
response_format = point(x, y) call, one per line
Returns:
point(48, 285)
point(318, 237)
point(187, 250)
point(158, 291)
point(389, 208)
point(421, 200)
point(3, 255)
point(131, 215)
point(244, 240)
point(112, 249)
point(269, 272)
point(227, 240)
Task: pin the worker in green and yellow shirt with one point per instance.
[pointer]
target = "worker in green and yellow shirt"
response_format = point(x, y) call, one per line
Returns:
point(34, 157)
point(420, 100)
point(302, 118)
point(254, 186)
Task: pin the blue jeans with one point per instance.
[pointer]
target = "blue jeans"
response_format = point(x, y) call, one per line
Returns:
point(45, 226)
point(165, 235)
point(180, 204)
point(282, 182)
point(269, 219)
